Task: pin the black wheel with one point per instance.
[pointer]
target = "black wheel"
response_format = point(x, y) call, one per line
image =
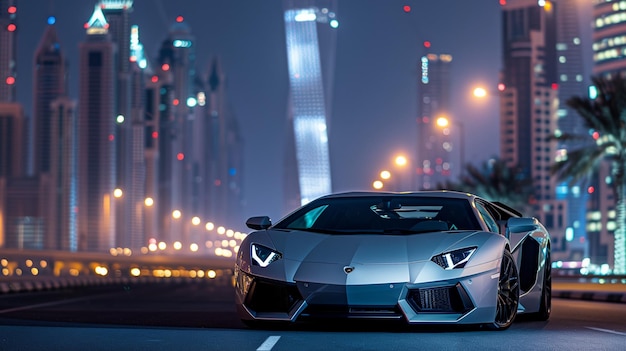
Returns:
point(545, 306)
point(508, 293)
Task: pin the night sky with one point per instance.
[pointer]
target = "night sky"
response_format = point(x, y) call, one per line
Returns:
point(375, 84)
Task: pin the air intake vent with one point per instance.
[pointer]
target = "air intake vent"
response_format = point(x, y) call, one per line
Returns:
point(449, 299)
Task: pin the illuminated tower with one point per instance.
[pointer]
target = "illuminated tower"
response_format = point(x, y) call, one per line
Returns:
point(136, 237)
point(176, 72)
point(609, 60)
point(572, 81)
point(8, 50)
point(220, 162)
point(529, 104)
point(54, 118)
point(96, 129)
point(437, 130)
point(61, 215)
point(49, 83)
point(116, 13)
point(155, 222)
point(310, 35)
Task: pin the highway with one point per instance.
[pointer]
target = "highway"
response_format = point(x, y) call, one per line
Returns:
point(200, 315)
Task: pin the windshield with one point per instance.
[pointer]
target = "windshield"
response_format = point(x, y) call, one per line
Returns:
point(383, 214)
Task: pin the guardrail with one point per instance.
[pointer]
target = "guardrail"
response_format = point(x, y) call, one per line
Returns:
point(570, 276)
point(34, 270)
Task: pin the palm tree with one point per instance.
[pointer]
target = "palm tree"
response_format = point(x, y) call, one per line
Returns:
point(605, 117)
point(495, 181)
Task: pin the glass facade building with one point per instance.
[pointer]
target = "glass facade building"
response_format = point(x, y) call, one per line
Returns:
point(307, 25)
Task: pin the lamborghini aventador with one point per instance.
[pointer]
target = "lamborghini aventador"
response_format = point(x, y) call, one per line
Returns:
point(430, 257)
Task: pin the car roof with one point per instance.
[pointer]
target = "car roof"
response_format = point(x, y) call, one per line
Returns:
point(504, 209)
point(428, 193)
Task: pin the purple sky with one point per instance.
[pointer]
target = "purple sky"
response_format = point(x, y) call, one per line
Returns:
point(377, 55)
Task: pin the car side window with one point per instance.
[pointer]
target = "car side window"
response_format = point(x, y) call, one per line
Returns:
point(487, 218)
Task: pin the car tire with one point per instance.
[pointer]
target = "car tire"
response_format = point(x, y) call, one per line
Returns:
point(508, 294)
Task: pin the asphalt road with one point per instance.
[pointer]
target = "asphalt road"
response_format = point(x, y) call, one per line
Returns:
point(201, 316)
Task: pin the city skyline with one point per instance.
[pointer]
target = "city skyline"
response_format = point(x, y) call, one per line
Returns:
point(262, 111)
point(367, 91)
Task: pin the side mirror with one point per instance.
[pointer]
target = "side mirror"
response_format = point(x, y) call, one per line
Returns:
point(259, 223)
point(523, 224)
point(518, 227)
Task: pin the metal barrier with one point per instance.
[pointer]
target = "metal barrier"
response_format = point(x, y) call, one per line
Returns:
point(35, 270)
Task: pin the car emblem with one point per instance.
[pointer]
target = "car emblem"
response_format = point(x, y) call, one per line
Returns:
point(348, 269)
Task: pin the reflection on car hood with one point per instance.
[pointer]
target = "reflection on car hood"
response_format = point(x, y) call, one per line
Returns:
point(368, 248)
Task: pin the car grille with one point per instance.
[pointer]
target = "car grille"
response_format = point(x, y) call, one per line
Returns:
point(448, 299)
point(270, 296)
point(342, 311)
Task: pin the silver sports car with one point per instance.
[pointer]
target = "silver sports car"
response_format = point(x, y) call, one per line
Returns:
point(430, 257)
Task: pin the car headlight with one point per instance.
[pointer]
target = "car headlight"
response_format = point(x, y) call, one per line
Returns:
point(454, 259)
point(263, 256)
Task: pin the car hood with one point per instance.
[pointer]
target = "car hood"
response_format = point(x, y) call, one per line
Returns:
point(368, 248)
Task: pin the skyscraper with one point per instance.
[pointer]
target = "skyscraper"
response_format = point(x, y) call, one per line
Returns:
point(12, 135)
point(439, 134)
point(96, 118)
point(609, 60)
point(55, 139)
point(609, 30)
point(220, 165)
point(8, 50)
point(176, 74)
point(310, 29)
point(49, 83)
point(12, 157)
point(136, 237)
point(156, 222)
point(61, 210)
point(572, 81)
point(529, 103)
point(117, 13)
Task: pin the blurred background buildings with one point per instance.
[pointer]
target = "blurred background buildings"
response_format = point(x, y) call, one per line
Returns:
point(151, 148)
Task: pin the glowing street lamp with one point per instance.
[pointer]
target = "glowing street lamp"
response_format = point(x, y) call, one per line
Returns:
point(401, 161)
point(195, 220)
point(442, 121)
point(148, 201)
point(445, 122)
point(118, 193)
point(479, 92)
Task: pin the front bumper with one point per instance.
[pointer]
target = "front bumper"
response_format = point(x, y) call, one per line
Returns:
point(465, 300)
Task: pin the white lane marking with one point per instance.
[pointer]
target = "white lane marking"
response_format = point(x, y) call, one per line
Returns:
point(607, 331)
point(268, 343)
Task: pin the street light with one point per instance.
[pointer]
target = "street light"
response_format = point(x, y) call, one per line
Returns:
point(479, 92)
point(445, 122)
point(377, 184)
point(400, 161)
